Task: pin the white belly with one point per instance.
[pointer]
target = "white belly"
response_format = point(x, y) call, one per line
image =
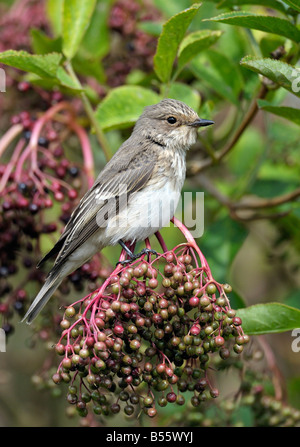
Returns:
point(147, 212)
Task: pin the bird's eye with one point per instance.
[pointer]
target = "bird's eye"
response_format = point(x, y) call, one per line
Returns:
point(171, 120)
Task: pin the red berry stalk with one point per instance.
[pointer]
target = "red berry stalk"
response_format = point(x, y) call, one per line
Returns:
point(145, 337)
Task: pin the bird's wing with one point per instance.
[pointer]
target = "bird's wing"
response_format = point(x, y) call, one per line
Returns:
point(102, 199)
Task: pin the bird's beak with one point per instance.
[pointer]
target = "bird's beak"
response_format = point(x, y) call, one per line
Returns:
point(201, 123)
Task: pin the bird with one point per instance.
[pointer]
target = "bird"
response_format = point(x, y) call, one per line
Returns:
point(133, 197)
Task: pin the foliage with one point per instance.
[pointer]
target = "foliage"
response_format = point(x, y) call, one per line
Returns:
point(233, 61)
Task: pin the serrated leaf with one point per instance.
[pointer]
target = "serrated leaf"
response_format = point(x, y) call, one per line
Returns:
point(267, 24)
point(274, 4)
point(269, 318)
point(289, 113)
point(41, 65)
point(195, 42)
point(186, 94)
point(75, 21)
point(295, 4)
point(123, 105)
point(172, 34)
point(281, 73)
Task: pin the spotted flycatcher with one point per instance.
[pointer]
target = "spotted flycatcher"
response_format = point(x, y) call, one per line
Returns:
point(134, 196)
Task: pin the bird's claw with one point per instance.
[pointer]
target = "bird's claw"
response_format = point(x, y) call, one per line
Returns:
point(133, 257)
point(146, 251)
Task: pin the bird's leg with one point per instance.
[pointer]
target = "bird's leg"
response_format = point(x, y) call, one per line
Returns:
point(132, 255)
point(128, 251)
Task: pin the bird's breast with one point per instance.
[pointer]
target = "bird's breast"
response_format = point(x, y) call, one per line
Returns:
point(151, 208)
point(148, 211)
point(171, 167)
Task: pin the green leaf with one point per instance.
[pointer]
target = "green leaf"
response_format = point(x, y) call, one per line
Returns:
point(149, 27)
point(194, 43)
point(186, 94)
point(270, 43)
point(123, 105)
point(64, 83)
point(295, 4)
point(289, 113)
point(274, 4)
point(42, 44)
point(267, 24)
point(279, 72)
point(54, 10)
point(47, 67)
point(66, 80)
point(172, 34)
point(41, 65)
point(228, 70)
point(293, 298)
point(213, 79)
point(278, 172)
point(269, 318)
point(87, 66)
point(173, 7)
point(96, 39)
point(76, 19)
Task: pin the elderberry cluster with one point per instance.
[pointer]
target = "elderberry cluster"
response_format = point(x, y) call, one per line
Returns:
point(34, 203)
point(145, 338)
point(138, 46)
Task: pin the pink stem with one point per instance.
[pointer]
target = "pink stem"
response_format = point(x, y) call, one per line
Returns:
point(193, 244)
point(31, 149)
point(11, 164)
point(86, 151)
point(106, 283)
point(9, 136)
point(21, 161)
point(147, 243)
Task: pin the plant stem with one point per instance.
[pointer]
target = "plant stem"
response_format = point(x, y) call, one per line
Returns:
point(86, 150)
point(90, 112)
point(9, 136)
point(191, 241)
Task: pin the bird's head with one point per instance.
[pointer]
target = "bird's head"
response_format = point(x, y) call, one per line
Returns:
point(171, 123)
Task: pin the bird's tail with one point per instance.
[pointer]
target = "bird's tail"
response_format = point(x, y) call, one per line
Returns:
point(51, 284)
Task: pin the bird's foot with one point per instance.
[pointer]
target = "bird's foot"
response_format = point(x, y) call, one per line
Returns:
point(133, 256)
point(146, 251)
